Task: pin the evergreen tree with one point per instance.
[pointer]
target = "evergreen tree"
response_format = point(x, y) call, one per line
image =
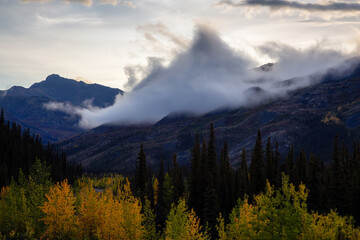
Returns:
point(257, 169)
point(20, 149)
point(212, 167)
point(338, 179)
point(226, 183)
point(277, 160)
point(288, 166)
point(196, 177)
point(203, 180)
point(243, 176)
point(211, 198)
point(176, 178)
point(160, 207)
point(270, 164)
point(300, 169)
point(140, 176)
point(314, 184)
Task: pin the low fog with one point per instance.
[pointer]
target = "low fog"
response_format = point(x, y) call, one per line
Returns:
point(207, 76)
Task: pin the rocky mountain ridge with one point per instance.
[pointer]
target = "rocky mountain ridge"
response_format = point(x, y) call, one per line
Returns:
point(308, 117)
point(26, 105)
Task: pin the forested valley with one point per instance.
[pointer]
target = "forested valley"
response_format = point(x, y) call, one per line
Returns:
point(268, 196)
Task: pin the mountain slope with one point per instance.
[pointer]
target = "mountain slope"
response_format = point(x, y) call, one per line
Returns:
point(26, 105)
point(308, 117)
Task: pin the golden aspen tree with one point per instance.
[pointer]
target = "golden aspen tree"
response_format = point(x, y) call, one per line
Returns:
point(131, 207)
point(330, 226)
point(122, 216)
point(149, 222)
point(156, 191)
point(183, 224)
point(59, 212)
point(90, 212)
point(243, 224)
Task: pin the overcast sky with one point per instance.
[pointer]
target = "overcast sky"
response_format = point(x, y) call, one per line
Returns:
point(107, 41)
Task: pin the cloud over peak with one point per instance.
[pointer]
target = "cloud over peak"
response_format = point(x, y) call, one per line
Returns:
point(208, 75)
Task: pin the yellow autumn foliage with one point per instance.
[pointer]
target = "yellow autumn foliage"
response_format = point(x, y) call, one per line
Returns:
point(90, 212)
point(121, 216)
point(156, 191)
point(183, 224)
point(59, 212)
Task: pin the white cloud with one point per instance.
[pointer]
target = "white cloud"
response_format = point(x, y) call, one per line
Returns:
point(211, 75)
point(69, 20)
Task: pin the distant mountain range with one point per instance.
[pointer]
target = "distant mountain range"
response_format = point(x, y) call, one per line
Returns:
point(26, 105)
point(309, 118)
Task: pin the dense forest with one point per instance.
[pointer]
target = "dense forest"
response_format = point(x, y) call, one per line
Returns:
point(274, 197)
point(212, 186)
point(19, 149)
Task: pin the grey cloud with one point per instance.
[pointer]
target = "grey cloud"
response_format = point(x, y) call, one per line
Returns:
point(85, 2)
point(277, 4)
point(207, 76)
point(163, 30)
point(118, 2)
point(150, 37)
point(135, 73)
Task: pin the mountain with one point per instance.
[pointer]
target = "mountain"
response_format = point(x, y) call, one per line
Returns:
point(308, 117)
point(26, 105)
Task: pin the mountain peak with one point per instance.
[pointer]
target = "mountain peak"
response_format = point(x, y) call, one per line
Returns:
point(69, 90)
point(53, 77)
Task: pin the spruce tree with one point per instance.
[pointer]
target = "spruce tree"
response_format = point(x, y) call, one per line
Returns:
point(243, 176)
point(160, 208)
point(288, 166)
point(277, 160)
point(300, 169)
point(211, 198)
point(140, 173)
point(203, 181)
point(195, 177)
point(176, 178)
point(226, 183)
point(213, 171)
point(314, 184)
point(338, 179)
point(257, 169)
point(269, 164)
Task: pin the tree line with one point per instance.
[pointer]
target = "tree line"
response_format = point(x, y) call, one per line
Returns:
point(19, 149)
point(212, 186)
point(35, 208)
point(210, 199)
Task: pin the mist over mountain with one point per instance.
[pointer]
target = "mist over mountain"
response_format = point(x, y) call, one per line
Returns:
point(211, 75)
point(209, 82)
point(309, 117)
point(31, 107)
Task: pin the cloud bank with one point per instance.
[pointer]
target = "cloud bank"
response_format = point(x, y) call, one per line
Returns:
point(277, 4)
point(207, 76)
